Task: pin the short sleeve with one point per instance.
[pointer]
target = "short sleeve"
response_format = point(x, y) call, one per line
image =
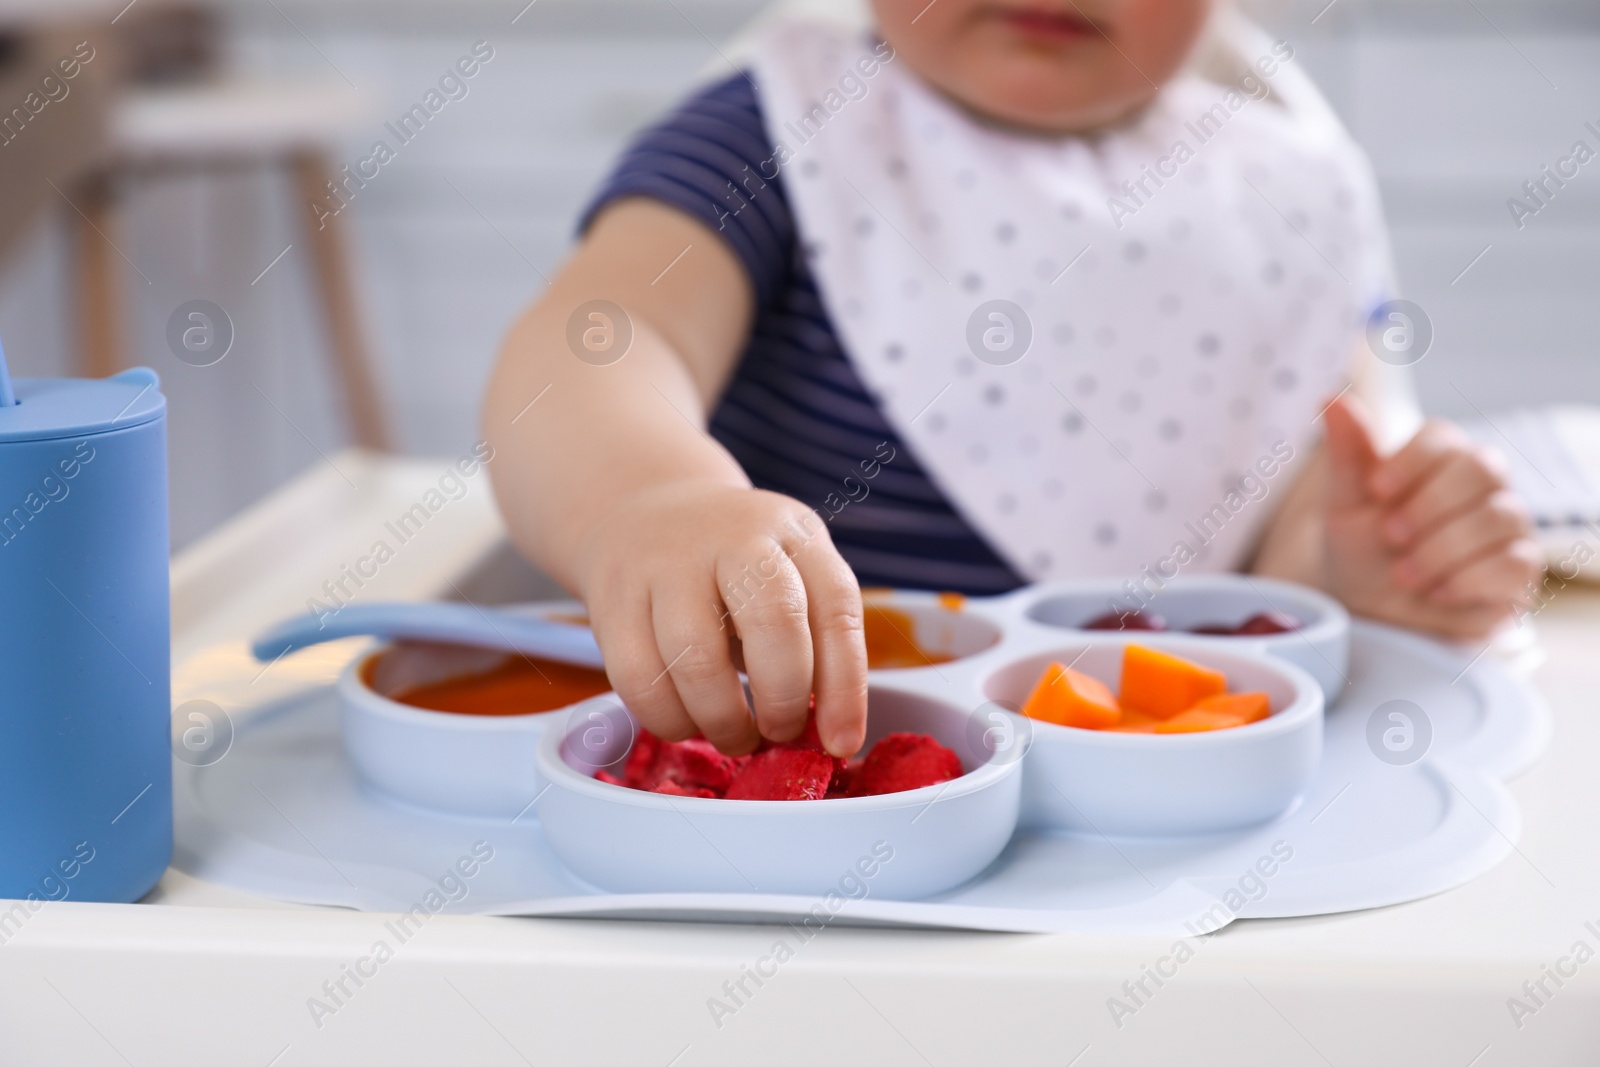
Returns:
point(708, 159)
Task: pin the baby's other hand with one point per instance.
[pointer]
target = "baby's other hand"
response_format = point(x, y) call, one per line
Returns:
point(688, 583)
point(1430, 537)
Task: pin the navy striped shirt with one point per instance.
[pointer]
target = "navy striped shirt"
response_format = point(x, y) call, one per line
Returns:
point(796, 415)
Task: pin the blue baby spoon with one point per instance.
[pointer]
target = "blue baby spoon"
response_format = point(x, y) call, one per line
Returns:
point(459, 624)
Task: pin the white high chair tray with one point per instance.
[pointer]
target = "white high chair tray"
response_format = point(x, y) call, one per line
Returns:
point(284, 815)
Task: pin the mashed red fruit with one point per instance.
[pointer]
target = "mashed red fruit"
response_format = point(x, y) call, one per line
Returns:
point(904, 761)
point(783, 774)
point(785, 770)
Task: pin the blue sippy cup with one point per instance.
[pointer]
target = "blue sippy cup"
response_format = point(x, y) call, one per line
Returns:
point(85, 674)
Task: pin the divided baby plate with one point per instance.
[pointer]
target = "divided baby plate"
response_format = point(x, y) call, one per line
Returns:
point(334, 793)
point(957, 669)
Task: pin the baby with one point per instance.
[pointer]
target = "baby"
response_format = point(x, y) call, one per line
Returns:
point(999, 292)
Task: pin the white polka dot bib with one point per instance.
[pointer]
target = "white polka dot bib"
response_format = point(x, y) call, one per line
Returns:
point(1109, 352)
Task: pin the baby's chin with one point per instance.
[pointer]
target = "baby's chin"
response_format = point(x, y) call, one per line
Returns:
point(1044, 98)
point(1050, 66)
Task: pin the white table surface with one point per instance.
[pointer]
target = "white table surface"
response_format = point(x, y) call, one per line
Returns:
point(200, 975)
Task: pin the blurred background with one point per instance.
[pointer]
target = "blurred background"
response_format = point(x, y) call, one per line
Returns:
point(179, 162)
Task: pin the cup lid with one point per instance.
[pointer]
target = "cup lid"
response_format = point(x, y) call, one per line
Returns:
point(51, 408)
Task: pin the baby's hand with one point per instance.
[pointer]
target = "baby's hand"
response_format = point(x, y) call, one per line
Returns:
point(1430, 537)
point(686, 584)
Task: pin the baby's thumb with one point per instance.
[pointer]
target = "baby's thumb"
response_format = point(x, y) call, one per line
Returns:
point(1352, 453)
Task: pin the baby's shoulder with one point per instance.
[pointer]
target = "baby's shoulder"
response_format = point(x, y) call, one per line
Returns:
point(731, 102)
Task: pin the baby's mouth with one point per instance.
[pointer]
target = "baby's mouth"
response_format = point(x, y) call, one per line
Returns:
point(1048, 23)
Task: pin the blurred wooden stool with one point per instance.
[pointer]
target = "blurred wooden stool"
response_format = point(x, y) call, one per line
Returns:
point(207, 125)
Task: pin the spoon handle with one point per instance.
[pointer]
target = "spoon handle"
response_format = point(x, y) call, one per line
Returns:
point(461, 624)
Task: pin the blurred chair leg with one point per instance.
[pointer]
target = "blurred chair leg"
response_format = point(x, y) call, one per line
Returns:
point(100, 310)
point(351, 356)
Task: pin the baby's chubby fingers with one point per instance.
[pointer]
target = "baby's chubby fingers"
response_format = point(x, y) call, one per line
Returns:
point(1492, 523)
point(1451, 477)
point(1401, 473)
point(692, 640)
point(834, 610)
point(1352, 453)
point(1497, 580)
point(627, 640)
point(686, 584)
point(767, 609)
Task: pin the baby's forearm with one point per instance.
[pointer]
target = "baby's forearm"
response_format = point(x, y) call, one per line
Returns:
point(575, 436)
point(609, 481)
point(572, 440)
point(1291, 546)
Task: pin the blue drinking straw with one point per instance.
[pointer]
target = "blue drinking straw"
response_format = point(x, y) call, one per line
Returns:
point(7, 395)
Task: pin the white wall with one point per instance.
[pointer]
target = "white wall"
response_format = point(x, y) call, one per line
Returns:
point(1455, 121)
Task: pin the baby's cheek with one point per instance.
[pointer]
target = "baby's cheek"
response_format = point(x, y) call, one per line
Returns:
point(1157, 35)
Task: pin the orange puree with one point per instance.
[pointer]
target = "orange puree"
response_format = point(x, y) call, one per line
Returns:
point(889, 641)
point(517, 686)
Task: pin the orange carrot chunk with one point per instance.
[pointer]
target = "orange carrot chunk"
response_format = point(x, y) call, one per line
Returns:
point(1071, 698)
point(1195, 721)
point(1163, 685)
point(1146, 727)
point(1218, 713)
point(1135, 721)
point(1252, 706)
